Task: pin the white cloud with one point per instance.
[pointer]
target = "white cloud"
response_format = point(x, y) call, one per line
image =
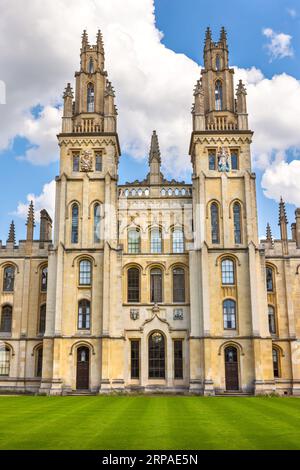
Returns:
point(282, 179)
point(154, 85)
point(45, 200)
point(279, 45)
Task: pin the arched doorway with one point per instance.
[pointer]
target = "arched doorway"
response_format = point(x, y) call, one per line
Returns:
point(231, 368)
point(83, 368)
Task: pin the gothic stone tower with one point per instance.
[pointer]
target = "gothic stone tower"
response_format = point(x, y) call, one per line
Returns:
point(229, 311)
point(83, 301)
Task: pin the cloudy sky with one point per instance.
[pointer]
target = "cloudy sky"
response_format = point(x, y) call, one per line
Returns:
point(153, 58)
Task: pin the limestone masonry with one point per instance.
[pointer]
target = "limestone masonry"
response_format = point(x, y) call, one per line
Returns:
point(153, 285)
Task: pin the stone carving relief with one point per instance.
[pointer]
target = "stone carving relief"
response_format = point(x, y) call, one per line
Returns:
point(86, 160)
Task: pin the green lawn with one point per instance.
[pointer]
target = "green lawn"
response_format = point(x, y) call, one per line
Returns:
point(149, 422)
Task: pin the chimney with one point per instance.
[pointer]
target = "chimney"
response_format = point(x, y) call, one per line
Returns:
point(45, 226)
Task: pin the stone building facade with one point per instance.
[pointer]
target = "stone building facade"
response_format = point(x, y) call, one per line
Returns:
point(153, 285)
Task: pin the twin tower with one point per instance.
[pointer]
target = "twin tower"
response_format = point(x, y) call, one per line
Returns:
point(159, 285)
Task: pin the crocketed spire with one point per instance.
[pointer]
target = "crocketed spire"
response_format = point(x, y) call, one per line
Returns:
point(154, 148)
point(282, 213)
point(30, 222)
point(12, 234)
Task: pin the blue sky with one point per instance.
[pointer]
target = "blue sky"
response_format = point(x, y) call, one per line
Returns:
point(183, 25)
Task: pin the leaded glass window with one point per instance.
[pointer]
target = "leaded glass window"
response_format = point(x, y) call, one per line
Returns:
point(178, 359)
point(212, 160)
point(97, 223)
point(42, 319)
point(84, 314)
point(178, 240)
point(237, 223)
point(270, 279)
point(44, 279)
point(214, 216)
point(218, 95)
point(229, 314)
point(271, 318)
point(75, 214)
point(98, 162)
point(8, 279)
point(178, 285)
point(135, 359)
point(134, 240)
point(76, 160)
point(228, 271)
point(85, 272)
point(6, 319)
point(156, 285)
point(156, 241)
point(90, 98)
point(276, 369)
point(156, 356)
point(39, 362)
point(4, 360)
point(234, 161)
point(133, 285)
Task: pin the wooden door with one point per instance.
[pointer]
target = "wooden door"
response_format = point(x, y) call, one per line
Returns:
point(231, 369)
point(83, 368)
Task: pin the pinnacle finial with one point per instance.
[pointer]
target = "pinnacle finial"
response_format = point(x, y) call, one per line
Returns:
point(208, 37)
point(154, 148)
point(30, 222)
point(85, 40)
point(12, 234)
point(30, 217)
point(109, 89)
point(269, 237)
point(68, 93)
point(100, 44)
point(282, 213)
point(241, 89)
point(223, 35)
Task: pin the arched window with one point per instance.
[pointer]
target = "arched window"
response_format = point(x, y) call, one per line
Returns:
point(270, 279)
point(237, 223)
point(84, 314)
point(90, 98)
point(39, 362)
point(75, 214)
point(276, 362)
point(42, 319)
point(6, 319)
point(8, 279)
point(272, 320)
point(178, 240)
point(214, 216)
point(85, 272)
point(228, 275)
point(219, 95)
point(156, 356)
point(156, 285)
point(134, 240)
point(97, 222)
point(218, 62)
point(178, 285)
point(229, 314)
point(133, 285)
point(44, 279)
point(91, 65)
point(156, 241)
point(4, 360)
